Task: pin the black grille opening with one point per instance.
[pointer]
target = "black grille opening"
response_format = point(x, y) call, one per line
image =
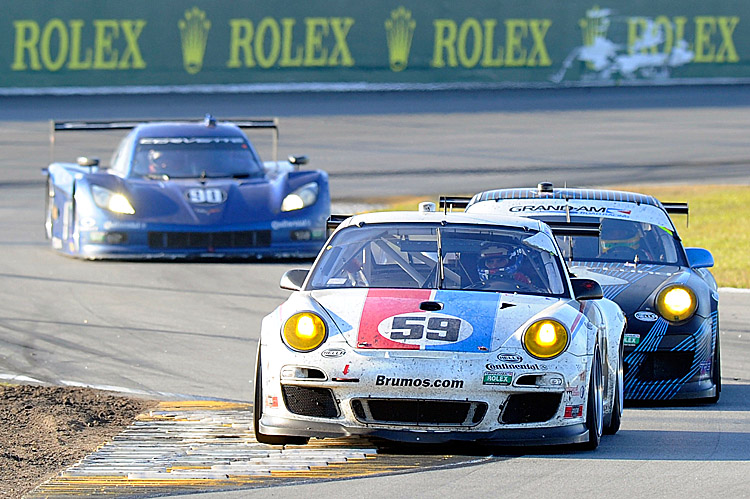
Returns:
point(418, 412)
point(662, 366)
point(530, 408)
point(310, 401)
point(209, 240)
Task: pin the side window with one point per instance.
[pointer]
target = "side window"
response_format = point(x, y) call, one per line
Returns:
point(119, 161)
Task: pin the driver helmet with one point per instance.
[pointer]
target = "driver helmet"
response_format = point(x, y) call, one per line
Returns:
point(497, 261)
point(619, 233)
point(157, 161)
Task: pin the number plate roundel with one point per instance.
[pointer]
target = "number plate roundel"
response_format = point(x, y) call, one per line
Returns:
point(425, 329)
point(206, 195)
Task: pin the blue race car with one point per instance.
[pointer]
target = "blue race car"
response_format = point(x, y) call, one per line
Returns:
point(668, 294)
point(177, 189)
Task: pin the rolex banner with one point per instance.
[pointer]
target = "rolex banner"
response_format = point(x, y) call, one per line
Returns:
point(106, 44)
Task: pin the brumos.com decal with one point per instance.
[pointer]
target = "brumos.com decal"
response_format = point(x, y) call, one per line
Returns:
point(382, 380)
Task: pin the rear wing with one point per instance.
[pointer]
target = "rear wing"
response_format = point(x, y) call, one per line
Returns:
point(447, 203)
point(678, 209)
point(83, 126)
point(334, 221)
point(591, 229)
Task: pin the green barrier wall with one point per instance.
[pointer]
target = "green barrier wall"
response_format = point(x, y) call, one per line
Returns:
point(104, 43)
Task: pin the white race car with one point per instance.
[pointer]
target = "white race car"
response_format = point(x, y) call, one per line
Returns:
point(434, 327)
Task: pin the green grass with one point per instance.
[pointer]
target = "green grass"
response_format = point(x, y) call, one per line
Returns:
point(719, 221)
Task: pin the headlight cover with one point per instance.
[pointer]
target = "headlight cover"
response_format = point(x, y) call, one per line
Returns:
point(545, 339)
point(304, 331)
point(676, 302)
point(111, 201)
point(301, 198)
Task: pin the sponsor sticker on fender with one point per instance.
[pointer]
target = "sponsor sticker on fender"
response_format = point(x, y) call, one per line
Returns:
point(632, 339)
point(497, 378)
point(331, 353)
point(646, 316)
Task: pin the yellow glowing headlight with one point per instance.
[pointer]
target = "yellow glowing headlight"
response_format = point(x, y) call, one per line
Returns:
point(304, 331)
point(111, 201)
point(676, 303)
point(545, 339)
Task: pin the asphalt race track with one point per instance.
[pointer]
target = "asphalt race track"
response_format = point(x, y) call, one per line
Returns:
point(188, 332)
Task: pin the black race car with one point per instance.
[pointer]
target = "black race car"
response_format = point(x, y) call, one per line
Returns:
point(668, 294)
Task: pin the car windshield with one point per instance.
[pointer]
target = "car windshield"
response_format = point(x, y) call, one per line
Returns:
point(622, 241)
point(191, 157)
point(468, 257)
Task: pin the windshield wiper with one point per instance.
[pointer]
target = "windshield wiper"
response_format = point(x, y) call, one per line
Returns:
point(157, 176)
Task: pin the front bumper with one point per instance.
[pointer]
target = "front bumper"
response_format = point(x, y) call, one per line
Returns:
point(164, 241)
point(671, 362)
point(570, 434)
point(426, 399)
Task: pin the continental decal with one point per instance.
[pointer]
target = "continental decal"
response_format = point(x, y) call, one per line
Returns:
point(270, 42)
point(105, 44)
point(474, 43)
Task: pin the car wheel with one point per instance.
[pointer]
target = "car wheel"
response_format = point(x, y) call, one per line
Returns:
point(617, 403)
point(49, 205)
point(716, 377)
point(258, 413)
point(595, 405)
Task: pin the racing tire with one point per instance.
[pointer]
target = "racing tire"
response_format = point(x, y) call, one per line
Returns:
point(716, 376)
point(595, 404)
point(617, 404)
point(48, 207)
point(258, 413)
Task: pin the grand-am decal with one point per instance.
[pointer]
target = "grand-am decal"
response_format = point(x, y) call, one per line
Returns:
point(575, 210)
point(391, 318)
point(382, 380)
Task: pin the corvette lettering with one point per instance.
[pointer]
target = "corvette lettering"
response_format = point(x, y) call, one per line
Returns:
point(382, 380)
point(190, 140)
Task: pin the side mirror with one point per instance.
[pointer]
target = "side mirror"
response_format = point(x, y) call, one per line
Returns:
point(586, 289)
point(86, 161)
point(293, 279)
point(298, 161)
point(699, 258)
